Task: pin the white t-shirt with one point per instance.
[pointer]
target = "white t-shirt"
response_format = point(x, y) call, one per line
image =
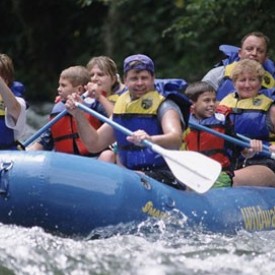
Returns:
point(19, 126)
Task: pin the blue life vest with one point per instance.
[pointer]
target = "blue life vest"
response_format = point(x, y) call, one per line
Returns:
point(18, 88)
point(249, 116)
point(134, 115)
point(231, 53)
point(133, 156)
point(268, 92)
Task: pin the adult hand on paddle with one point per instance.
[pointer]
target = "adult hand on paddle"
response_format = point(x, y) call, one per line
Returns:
point(138, 137)
point(245, 142)
point(192, 169)
point(256, 146)
point(268, 151)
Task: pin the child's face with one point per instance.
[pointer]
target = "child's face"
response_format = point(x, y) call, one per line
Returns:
point(66, 88)
point(205, 105)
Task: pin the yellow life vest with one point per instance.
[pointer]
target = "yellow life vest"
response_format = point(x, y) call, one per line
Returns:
point(147, 104)
point(259, 102)
point(250, 115)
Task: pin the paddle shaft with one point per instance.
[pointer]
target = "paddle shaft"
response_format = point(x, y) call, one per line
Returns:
point(191, 168)
point(109, 121)
point(227, 137)
point(44, 128)
point(158, 149)
point(248, 139)
point(36, 135)
point(127, 132)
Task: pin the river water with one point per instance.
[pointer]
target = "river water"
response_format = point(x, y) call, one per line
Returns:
point(154, 248)
point(158, 251)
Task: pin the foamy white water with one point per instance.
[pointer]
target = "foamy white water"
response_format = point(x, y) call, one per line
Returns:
point(32, 251)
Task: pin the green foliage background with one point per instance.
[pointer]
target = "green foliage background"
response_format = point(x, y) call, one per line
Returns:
point(44, 37)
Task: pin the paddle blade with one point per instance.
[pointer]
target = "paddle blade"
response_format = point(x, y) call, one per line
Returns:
point(192, 169)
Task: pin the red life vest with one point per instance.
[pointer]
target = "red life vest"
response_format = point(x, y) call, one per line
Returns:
point(65, 135)
point(206, 143)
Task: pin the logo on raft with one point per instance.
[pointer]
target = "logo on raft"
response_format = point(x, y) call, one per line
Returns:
point(256, 218)
point(152, 211)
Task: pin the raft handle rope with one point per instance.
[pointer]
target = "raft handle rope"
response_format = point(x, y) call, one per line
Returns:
point(5, 166)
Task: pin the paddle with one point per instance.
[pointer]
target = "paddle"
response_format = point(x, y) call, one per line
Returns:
point(36, 135)
point(191, 168)
point(265, 147)
point(229, 138)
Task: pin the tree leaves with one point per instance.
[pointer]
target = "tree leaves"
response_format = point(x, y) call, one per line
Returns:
point(182, 36)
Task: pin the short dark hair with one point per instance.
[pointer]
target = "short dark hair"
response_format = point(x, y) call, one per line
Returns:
point(194, 90)
point(259, 35)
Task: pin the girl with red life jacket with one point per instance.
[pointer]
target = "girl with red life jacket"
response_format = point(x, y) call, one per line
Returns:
point(105, 87)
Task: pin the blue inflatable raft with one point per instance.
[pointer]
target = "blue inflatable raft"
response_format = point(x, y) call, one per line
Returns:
point(72, 196)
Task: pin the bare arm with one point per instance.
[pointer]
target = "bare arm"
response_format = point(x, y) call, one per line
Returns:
point(172, 132)
point(272, 118)
point(95, 91)
point(94, 140)
point(272, 126)
point(35, 147)
point(12, 105)
point(107, 104)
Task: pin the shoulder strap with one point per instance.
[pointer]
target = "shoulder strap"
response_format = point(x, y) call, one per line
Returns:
point(173, 88)
point(231, 53)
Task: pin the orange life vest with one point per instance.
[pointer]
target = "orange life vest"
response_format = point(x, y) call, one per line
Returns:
point(65, 135)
